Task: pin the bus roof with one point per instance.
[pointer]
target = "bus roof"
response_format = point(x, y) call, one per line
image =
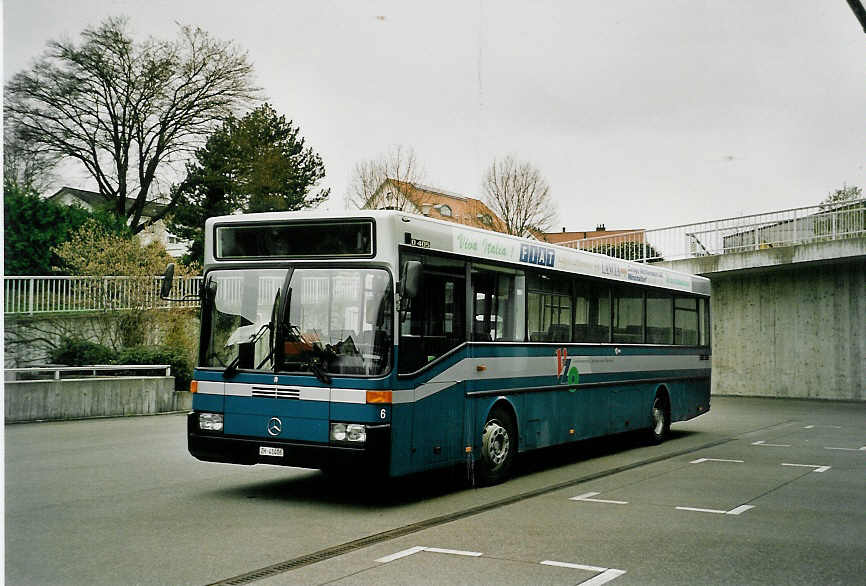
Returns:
point(425, 233)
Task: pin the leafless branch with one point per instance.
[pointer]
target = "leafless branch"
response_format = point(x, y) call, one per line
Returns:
point(122, 109)
point(519, 195)
point(387, 182)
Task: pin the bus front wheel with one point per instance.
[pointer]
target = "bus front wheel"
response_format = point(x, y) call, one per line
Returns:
point(498, 447)
point(661, 420)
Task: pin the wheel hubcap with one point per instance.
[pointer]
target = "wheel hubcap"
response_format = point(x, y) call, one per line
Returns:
point(497, 443)
point(658, 419)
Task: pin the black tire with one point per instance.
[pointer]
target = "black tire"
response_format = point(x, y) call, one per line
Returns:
point(498, 447)
point(660, 418)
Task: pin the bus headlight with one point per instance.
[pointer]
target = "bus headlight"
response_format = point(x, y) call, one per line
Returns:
point(210, 421)
point(351, 433)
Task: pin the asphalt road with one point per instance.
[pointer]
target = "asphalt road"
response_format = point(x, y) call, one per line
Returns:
point(756, 492)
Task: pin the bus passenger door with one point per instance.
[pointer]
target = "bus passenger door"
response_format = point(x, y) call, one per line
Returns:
point(434, 326)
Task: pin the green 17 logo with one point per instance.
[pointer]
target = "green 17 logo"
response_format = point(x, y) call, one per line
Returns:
point(564, 370)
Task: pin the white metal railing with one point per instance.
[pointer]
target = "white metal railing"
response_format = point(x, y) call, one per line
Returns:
point(769, 230)
point(56, 372)
point(37, 294)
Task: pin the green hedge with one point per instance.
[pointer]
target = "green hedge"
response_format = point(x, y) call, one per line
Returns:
point(181, 369)
point(77, 352)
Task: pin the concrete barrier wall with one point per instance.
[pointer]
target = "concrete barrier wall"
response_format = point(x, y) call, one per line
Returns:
point(788, 322)
point(793, 332)
point(92, 397)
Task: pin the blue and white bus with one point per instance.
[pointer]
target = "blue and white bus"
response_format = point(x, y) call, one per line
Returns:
point(398, 343)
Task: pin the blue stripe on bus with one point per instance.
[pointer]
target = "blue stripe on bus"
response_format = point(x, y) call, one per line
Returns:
point(277, 407)
point(544, 382)
point(293, 428)
point(205, 402)
point(301, 420)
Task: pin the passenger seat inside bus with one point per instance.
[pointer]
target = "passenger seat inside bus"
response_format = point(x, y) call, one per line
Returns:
point(479, 334)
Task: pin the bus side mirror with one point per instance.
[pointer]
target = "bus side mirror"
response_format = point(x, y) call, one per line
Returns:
point(410, 284)
point(167, 281)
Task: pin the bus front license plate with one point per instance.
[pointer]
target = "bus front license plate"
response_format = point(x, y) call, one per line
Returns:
point(269, 451)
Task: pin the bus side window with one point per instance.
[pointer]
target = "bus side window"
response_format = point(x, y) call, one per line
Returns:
point(659, 318)
point(628, 315)
point(686, 321)
point(435, 321)
point(499, 311)
point(591, 312)
point(704, 321)
point(549, 303)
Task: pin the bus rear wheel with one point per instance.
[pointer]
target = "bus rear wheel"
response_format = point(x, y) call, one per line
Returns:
point(498, 447)
point(661, 420)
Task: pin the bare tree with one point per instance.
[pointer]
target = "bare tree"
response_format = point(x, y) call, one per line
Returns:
point(125, 110)
point(24, 168)
point(386, 182)
point(519, 195)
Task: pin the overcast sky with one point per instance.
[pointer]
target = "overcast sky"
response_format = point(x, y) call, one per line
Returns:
point(640, 114)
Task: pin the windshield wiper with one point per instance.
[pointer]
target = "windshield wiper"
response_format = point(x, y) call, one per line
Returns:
point(309, 355)
point(285, 325)
point(316, 367)
point(272, 342)
point(320, 374)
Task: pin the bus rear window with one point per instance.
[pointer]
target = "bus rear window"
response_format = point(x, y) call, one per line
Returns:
point(295, 240)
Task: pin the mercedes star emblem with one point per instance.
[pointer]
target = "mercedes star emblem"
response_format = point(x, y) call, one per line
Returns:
point(275, 426)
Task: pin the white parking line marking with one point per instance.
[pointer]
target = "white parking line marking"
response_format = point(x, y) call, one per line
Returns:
point(473, 554)
point(815, 466)
point(603, 578)
point(763, 443)
point(702, 460)
point(863, 449)
point(735, 511)
point(586, 497)
point(740, 510)
point(400, 554)
point(606, 575)
point(701, 510)
point(573, 566)
point(418, 548)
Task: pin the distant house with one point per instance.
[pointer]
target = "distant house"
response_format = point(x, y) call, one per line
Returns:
point(627, 244)
point(437, 203)
point(91, 200)
point(599, 236)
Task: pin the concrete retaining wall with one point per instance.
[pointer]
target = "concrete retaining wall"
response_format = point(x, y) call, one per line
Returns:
point(92, 397)
point(789, 322)
point(798, 333)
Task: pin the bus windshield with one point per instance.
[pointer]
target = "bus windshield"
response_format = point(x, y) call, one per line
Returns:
point(332, 320)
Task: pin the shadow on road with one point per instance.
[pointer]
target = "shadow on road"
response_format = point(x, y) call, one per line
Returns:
point(359, 491)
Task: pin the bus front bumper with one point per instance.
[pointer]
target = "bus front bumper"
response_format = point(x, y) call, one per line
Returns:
point(216, 447)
